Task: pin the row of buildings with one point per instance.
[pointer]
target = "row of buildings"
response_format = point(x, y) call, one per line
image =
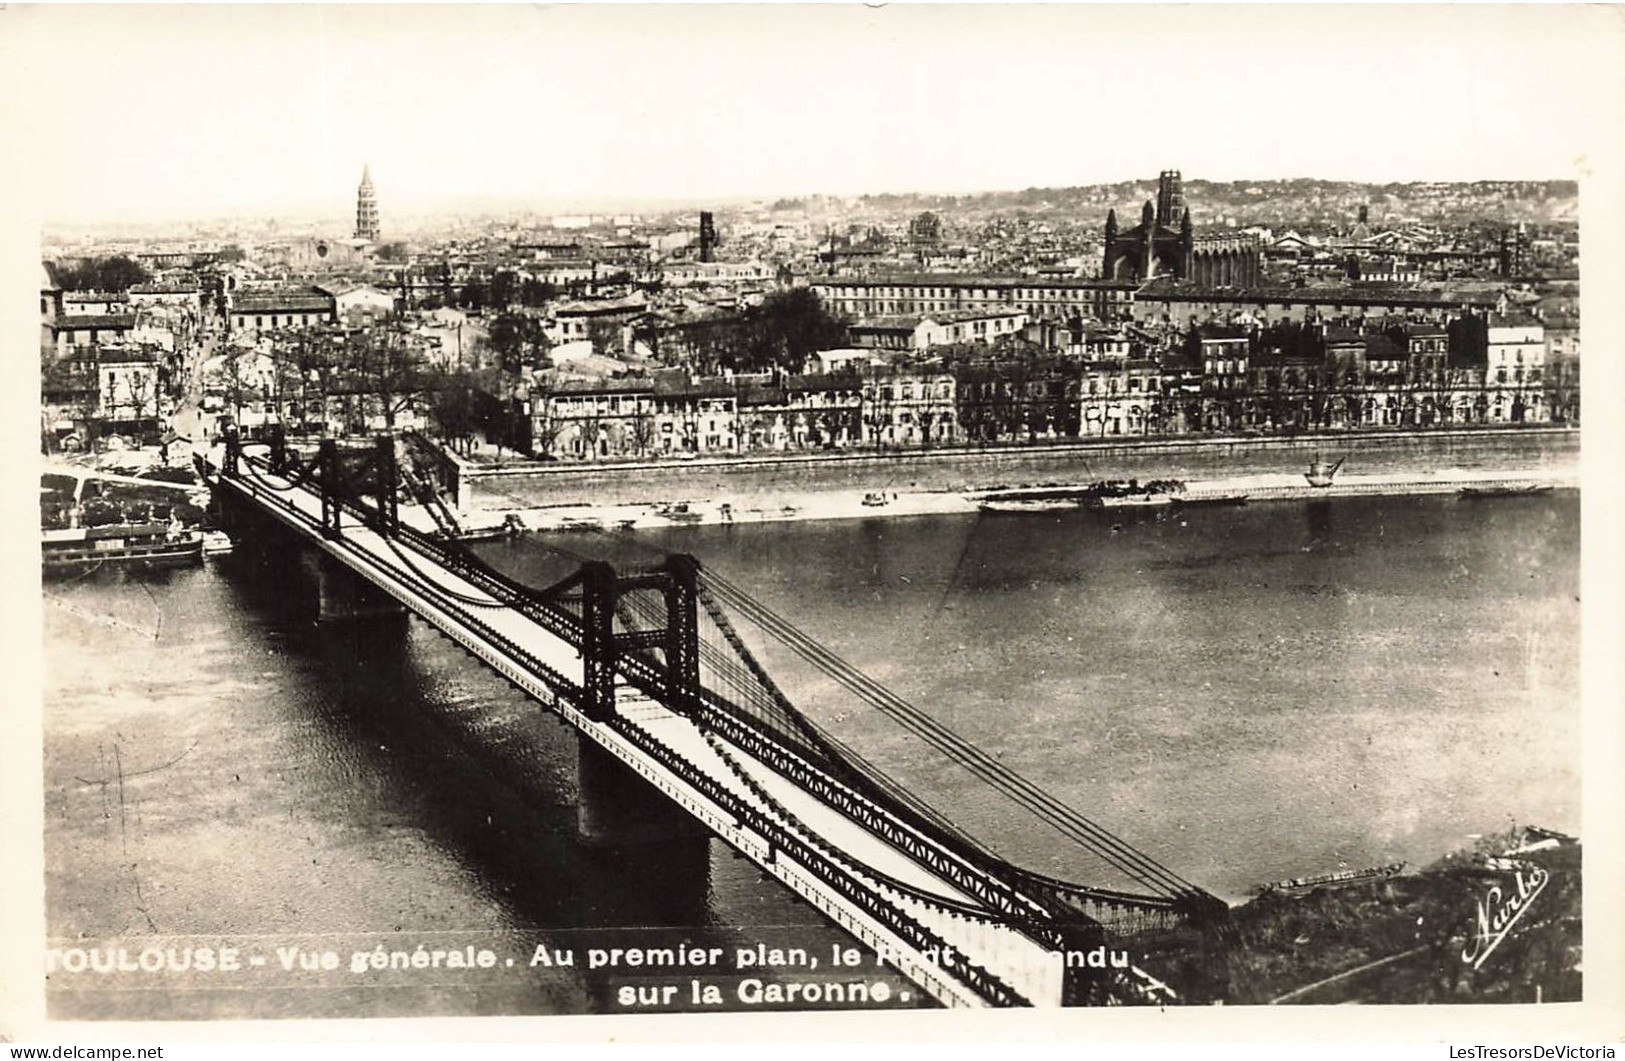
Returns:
point(1220, 379)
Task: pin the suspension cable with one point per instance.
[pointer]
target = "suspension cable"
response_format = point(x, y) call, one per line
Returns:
point(1088, 833)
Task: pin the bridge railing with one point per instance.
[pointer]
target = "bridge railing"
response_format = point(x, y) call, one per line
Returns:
point(960, 872)
point(910, 930)
point(443, 599)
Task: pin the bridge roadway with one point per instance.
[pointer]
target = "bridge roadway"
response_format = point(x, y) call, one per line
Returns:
point(861, 880)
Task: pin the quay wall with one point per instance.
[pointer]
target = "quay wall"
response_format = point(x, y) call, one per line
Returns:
point(768, 480)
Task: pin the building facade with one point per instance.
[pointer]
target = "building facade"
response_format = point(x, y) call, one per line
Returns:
point(918, 294)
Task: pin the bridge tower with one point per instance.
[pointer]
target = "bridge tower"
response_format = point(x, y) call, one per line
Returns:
point(616, 807)
point(336, 593)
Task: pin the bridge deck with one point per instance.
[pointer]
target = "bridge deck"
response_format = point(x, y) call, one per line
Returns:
point(472, 615)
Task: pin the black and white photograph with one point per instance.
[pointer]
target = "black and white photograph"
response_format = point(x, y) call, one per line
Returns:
point(662, 514)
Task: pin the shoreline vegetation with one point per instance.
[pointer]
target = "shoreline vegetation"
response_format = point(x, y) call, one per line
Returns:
point(1422, 937)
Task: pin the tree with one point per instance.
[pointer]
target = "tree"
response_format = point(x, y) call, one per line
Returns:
point(544, 429)
point(390, 373)
point(393, 252)
point(932, 406)
point(643, 430)
point(781, 333)
point(590, 427)
point(877, 407)
point(502, 290)
point(117, 273)
point(534, 292)
point(606, 338)
point(452, 407)
point(519, 341)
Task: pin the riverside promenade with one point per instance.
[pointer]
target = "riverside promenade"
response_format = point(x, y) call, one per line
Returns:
point(635, 495)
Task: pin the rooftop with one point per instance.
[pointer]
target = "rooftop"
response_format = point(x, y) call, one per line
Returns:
point(600, 308)
point(104, 321)
point(164, 289)
point(965, 280)
point(301, 300)
point(1374, 295)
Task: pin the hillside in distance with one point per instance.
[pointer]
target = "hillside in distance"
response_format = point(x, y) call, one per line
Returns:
point(1300, 201)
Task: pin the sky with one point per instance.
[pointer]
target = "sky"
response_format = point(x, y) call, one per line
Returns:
point(160, 112)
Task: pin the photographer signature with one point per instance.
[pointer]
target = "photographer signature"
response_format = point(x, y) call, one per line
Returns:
point(1500, 908)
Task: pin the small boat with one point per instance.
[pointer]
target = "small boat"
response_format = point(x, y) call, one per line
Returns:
point(1320, 473)
point(511, 527)
point(1145, 500)
point(1212, 499)
point(1474, 493)
point(1030, 504)
point(874, 499)
point(217, 543)
point(679, 513)
point(1338, 879)
point(1535, 832)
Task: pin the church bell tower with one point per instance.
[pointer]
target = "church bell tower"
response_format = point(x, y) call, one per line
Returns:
point(366, 209)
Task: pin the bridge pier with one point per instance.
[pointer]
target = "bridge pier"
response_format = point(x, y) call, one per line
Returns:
point(342, 595)
point(618, 808)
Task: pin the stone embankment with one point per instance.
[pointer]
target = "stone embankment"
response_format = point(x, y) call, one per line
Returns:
point(561, 495)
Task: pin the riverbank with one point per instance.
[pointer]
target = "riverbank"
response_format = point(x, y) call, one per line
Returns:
point(561, 495)
point(867, 504)
point(1405, 940)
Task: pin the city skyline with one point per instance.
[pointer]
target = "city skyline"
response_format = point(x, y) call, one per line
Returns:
point(258, 110)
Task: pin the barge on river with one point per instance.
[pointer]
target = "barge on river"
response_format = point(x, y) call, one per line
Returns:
point(78, 549)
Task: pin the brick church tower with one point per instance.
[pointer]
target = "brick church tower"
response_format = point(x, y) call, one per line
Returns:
point(366, 209)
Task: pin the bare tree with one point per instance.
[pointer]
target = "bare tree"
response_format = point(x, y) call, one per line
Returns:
point(643, 430)
point(878, 403)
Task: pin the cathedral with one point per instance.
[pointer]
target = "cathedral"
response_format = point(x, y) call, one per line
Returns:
point(1164, 243)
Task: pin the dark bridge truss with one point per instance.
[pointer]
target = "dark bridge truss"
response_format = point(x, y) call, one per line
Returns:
point(662, 628)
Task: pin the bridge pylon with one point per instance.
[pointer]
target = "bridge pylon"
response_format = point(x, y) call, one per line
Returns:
point(598, 642)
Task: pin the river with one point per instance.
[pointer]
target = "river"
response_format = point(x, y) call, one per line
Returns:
point(1246, 694)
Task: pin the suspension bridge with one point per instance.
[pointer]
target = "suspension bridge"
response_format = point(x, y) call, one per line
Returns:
point(679, 722)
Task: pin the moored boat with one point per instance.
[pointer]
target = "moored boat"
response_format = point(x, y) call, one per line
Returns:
point(1320, 473)
point(510, 527)
point(1144, 500)
point(1031, 504)
point(1473, 493)
point(1337, 879)
point(679, 513)
point(1212, 499)
point(217, 543)
point(149, 544)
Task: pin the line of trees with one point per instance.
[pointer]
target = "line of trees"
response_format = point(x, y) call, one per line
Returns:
point(116, 273)
point(777, 335)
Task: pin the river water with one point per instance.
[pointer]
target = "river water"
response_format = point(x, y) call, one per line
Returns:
point(1245, 694)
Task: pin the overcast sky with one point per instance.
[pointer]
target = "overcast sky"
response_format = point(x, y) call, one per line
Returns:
point(165, 112)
